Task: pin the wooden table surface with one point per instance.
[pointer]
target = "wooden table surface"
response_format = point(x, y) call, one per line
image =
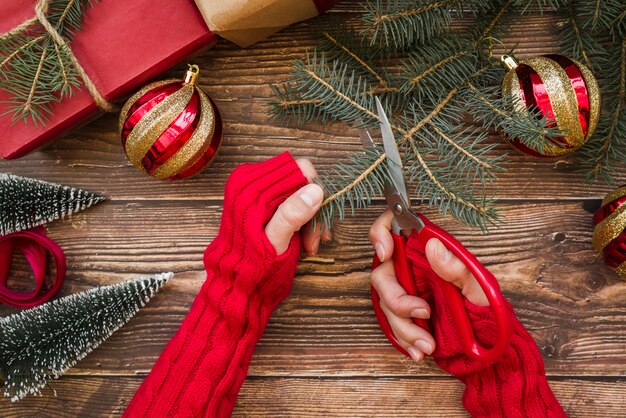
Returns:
point(323, 353)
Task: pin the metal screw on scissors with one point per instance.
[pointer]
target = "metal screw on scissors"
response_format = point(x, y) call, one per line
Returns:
point(407, 224)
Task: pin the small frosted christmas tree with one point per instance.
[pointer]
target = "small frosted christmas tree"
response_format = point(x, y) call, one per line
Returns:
point(40, 344)
point(26, 203)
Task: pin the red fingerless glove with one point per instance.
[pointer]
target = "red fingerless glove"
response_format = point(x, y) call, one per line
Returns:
point(514, 386)
point(202, 368)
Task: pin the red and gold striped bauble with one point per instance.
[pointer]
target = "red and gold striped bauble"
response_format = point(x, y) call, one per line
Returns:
point(171, 129)
point(564, 90)
point(609, 234)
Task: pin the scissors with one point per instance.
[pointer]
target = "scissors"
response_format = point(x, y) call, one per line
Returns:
point(406, 223)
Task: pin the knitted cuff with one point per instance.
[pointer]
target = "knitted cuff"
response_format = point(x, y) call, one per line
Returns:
point(200, 371)
point(514, 386)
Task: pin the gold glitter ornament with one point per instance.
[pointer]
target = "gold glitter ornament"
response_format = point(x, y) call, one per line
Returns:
point(171, 129)
point(563, 90)
point(609, 234)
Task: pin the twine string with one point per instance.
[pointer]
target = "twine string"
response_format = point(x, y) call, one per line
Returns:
point(41, 9)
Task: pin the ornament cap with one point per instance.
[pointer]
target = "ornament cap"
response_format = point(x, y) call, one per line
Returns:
point(509, 62)
point(192, 74)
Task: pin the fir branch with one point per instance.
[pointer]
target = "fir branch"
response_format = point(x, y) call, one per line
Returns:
point(340, 92)
point(456, 197)
point(529, 126)
point(495, 20)
point(353, 183)
point(601, 15)
point(338, 84)
point(447, 160)
point(348, 44)
point(578, 42)
point(399, 24)
point(289, 105)
point(439, 67)
point(420, 123)
point(34, 69)
point(541, 5)
point(607, 147)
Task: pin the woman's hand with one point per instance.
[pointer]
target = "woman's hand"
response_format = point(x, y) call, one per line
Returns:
point(398, 306)
point(296, 212)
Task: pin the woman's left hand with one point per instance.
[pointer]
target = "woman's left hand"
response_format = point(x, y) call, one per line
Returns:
point(296, 212)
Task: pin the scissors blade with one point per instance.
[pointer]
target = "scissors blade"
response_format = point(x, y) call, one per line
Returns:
point(366, 139)
point(392, 153)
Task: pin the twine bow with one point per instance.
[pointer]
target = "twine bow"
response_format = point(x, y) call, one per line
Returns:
point(41, 10)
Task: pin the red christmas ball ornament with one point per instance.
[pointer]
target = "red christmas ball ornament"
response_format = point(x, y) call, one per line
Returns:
point(171, 129)
point(609, 234)
point(563, 90)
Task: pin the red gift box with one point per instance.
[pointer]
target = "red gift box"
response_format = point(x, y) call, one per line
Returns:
point(121, 45)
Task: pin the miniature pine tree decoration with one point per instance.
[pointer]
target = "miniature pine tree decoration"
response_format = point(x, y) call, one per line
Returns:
point(26, 203)
point(428, 76)
point(40, 344)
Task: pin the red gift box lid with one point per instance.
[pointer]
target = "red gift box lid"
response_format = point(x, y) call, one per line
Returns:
point(121, 45)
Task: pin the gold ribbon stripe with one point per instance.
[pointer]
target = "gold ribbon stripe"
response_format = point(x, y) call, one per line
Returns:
point(610, 227)
point(195, 147)
point(614, 195)
point(562, 98)
point(132, 99)
point(152, 125)
point(621, 269)
point(593, 93)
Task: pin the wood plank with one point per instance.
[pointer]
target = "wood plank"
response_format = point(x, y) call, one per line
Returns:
point(323, 397)
point(238, 80)
point(574, 307)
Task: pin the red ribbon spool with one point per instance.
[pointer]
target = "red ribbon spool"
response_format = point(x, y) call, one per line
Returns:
point(35, 245)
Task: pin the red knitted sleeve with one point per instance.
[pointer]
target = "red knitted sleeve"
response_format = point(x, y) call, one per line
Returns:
point(514, 386)
point(200, 371)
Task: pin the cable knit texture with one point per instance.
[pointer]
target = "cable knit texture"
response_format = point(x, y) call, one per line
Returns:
point(202, 368)
point(514, 386)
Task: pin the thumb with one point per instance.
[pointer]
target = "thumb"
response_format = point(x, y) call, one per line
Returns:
point(451, 269)
point(292, 214)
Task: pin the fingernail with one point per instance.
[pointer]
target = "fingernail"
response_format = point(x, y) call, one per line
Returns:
point(424, 346)
point(380, 251)
point(420, 313)
point(415, 355)
point(443, 254)
point(311, 195)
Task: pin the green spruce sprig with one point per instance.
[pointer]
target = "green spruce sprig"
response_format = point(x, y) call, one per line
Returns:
point(402, 24)
point(594, 33)
point(451, 163)
point(540, 5)
point(488, 107)
point(606, 149)
point(34, 69)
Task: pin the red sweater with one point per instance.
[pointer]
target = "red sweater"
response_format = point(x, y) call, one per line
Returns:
point(202, 368)
point(514, 386)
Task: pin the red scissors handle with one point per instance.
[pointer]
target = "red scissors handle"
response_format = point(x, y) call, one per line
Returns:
point(453, 295)
point(406, 280)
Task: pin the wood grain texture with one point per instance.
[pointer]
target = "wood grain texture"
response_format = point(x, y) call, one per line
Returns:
point(318, 397)
point(322, 353)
